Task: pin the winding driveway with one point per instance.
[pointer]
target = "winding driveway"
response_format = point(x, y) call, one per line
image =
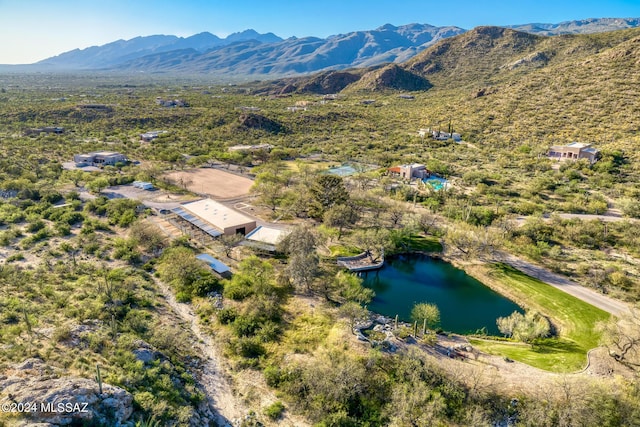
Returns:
point(587, 295)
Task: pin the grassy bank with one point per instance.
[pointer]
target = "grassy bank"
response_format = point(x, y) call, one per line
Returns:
point(419, 243)
point(574, 319)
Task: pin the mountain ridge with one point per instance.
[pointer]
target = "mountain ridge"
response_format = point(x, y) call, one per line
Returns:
point(305, 55)
point(249, 53)
point(580, 26)
point(484, 61)
point(119, 51)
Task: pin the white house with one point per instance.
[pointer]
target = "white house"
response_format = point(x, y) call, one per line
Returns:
point(99, 158)
point(439, 135)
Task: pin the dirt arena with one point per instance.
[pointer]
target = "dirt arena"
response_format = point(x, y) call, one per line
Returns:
point(215, 183)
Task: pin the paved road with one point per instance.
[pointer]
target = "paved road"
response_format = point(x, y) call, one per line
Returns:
point(587, 295)
point(587, 217)
point(611, 216)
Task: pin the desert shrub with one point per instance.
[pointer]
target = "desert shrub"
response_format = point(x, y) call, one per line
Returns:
point(274, 411)
point(227, 315)
point(35, 226)
point(61, 333)
point(248, 347)
point(15, 257)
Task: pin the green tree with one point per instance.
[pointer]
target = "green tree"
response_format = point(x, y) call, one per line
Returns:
point(254, 276)
point(373, 242)
point(327, 191)
point(98, 184)
point(304, 265)
point(76, 176)
point(426, 313)
point(473, 241)
point(526, 327)
point(349, 286)
point(340, 216)
point(270, 194)
point(180, 268)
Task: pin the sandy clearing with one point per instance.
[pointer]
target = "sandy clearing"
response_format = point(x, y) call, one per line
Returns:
point(214, 183)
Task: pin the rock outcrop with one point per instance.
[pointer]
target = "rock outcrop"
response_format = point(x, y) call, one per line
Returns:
point(40, 395)
point(259, 122)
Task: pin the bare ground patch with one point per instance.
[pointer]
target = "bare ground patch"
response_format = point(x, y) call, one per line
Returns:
point(214, 183)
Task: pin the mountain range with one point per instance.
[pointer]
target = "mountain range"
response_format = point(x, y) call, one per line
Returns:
point(249, 53)
point(481, 60)
point(121, 51)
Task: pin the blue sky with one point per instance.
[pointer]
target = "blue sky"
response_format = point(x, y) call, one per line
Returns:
point(31, 30)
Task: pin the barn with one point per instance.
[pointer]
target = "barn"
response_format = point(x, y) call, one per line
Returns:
point(214, 218)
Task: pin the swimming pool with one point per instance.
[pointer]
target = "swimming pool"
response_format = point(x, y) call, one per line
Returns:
point(436, 182)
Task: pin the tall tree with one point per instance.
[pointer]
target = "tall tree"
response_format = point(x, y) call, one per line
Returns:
point(301, 239)
point(373, 242)
point(396, 213)
point(304, 265)
point(270, 194)
point(340, 216)
point(228, 242)
point(303, 268)
point(327, 191)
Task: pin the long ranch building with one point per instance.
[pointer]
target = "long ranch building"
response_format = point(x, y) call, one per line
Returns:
point(214, 219)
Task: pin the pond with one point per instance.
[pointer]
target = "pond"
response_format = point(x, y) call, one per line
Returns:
point(465, 304)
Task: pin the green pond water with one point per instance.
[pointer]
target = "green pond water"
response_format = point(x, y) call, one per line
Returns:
point(465, 304)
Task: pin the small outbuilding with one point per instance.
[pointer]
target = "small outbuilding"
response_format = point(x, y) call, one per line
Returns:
point(143, 185)
point(151, 135)
point(251, 148)
point(266, 238)
point(215, 264)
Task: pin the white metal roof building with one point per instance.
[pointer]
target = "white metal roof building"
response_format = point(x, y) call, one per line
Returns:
point(266, 238)
point(215, 218)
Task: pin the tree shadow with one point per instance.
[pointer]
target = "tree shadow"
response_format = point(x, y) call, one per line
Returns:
point(550, 346)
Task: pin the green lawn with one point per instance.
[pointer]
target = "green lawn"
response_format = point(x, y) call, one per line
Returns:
point(425, 244)
point(342, 250)
point(574, 319)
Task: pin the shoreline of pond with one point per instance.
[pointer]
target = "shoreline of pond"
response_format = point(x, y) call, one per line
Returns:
point(463, 298)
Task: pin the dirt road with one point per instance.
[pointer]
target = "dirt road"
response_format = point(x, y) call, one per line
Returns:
point(211, 379)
